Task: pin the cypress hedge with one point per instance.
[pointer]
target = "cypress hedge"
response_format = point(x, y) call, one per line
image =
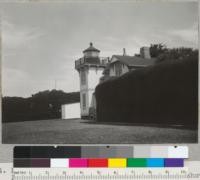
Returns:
point(40, 106)
point(166, 93)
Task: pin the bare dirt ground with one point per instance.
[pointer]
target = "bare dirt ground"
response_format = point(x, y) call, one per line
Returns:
point(78, 131)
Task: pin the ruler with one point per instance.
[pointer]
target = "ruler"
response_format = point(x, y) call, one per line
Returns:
point(99, 173)
point(191, 172)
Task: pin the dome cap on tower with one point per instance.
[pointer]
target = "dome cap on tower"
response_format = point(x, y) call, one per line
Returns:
point(91, 48)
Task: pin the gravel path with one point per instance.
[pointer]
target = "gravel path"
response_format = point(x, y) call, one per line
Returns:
point(80, 132)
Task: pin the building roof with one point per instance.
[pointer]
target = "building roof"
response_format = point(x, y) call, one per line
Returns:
point(91, 48)
point(132, 61)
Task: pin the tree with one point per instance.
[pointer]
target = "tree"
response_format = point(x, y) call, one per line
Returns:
point(157, 49)
point(162, 53)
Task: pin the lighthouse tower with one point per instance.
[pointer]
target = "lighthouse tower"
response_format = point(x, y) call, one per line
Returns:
point(90, 68)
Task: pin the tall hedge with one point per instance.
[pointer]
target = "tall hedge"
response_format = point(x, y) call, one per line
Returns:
point(166, 93)
point(42, 105)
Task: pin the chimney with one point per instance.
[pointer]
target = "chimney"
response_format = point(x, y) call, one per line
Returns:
point(145, 52)
point(124, 52)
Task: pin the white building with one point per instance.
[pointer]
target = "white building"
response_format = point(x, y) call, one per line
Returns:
point(70, 111)
point(90, 68)
point(121, 64)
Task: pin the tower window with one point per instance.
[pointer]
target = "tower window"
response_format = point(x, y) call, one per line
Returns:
point(84, 101)
point(83, 77)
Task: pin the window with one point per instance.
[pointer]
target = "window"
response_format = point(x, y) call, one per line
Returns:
point(118, 69)
point(83, 77)
point(84, 101)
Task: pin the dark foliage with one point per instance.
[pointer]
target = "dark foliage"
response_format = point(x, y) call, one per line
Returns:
point(162, 53)
point(166, 93)
point(43, 105)
point(157, 49)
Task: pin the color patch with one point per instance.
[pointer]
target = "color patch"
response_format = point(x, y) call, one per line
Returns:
point(22, 152)
point(22, 163)
point(155, 162)
point(97, 162)
point(59, 163)
point(124, 152)
point(90, 152)
point(172, 162)
point(107, 152)
point(136, 162)
point(159, 152)
point(142, 152)
point(78, 162)
point(40, 163)
point(178, 152)
point(116, 163)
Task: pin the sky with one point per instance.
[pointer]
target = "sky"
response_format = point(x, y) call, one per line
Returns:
point(41, 41)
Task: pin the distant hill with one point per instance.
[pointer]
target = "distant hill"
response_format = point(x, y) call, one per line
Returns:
point(166, 93)
point(42, 105)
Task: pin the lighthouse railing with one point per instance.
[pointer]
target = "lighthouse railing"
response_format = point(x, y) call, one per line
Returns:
point(82, 61)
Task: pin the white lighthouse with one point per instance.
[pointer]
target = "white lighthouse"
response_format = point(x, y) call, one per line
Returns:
point(90, 68)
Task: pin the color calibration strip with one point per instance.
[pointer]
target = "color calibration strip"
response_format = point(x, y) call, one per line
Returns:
point(98, 162)
point(101, 152)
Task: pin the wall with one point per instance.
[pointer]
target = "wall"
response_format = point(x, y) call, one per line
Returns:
point(125, 69)
point(84, 90)
point(84, 112)
point(84, 86)
point(93, 75)
point(112, 71)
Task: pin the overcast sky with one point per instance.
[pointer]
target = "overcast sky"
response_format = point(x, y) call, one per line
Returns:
point(41, 41)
